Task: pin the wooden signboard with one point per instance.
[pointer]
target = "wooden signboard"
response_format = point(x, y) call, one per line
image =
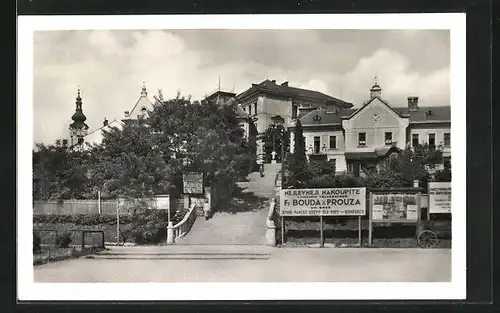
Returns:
point(192, 183)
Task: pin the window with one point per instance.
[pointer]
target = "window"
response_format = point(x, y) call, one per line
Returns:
point(294, 111)
point(447, 163)
point(362, 139)
point(388, 138)
point(414, 140)
point(255, 107)
point(333, 142)
point(447, 139)
point(250, 110)
point(317, 143)
point(432, 140)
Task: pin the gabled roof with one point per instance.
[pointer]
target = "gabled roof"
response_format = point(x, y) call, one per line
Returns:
point(400, 114)
point(270, 87)
point(95, 135)
point(142, 102)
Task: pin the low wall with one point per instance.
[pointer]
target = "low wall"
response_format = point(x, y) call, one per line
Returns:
point(106, 207)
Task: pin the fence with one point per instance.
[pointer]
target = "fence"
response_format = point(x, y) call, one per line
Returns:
point(184, 226)
point(96, 206)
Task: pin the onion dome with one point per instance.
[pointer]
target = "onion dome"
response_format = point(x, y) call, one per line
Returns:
point(78, 117)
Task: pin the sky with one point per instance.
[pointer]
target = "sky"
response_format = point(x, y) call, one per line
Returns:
point(111, 66)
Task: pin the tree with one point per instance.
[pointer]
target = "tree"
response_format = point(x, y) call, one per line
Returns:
point(129, 164)
point(58, 172)
point(273, 138)
point(402, 169)
point(298, 173)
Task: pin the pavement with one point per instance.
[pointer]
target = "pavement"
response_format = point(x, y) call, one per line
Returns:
point(251, 264)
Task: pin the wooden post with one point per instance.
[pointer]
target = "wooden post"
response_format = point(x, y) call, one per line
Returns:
point(282, 230)
point(370, 230)
point(117, 226)
point(99, 201)
point(83, 239)
point(359, 230)
point(322, 242)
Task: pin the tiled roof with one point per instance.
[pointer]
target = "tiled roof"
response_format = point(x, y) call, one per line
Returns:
point(378, 153)
point(438, 114)
point(271, 87)
point(324, 117)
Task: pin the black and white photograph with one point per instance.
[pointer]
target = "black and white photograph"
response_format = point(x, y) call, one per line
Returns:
point(236, 158)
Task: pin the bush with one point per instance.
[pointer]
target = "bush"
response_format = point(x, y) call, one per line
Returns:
point(63, 240)
point(37, 243)
point(81, 219)
point(149, 226)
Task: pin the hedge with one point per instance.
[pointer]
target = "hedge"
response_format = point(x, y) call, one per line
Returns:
point(81, 219)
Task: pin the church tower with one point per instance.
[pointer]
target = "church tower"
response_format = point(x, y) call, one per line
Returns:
point(78, 129)
point(375, 91)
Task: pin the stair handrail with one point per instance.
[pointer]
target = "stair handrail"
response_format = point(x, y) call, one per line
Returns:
point(184, 226)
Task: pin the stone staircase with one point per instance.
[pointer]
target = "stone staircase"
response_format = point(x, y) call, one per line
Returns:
point(238, 228)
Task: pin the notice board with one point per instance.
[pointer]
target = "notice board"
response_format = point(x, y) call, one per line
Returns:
point(192, 183)
point(439, 197)
point(323, 202)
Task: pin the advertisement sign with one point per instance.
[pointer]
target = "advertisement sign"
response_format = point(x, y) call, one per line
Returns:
point(323, 202)
point(439, 197)
point(395, 207)
point(193, 183)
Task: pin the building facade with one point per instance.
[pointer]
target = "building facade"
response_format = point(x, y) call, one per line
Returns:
point(268, 102)
point(352, 138)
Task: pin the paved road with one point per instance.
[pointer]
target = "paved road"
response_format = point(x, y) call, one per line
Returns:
point(273, 265)
point(238, 226)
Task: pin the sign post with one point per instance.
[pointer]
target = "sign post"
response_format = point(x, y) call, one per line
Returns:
point(282, 230)
point(359, 230)
point(99, 201)
point(322, 242)
point(322, 202)
point(370, 226)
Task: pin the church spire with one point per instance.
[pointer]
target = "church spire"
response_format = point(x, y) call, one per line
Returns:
point(144, 92)
point(78, 117)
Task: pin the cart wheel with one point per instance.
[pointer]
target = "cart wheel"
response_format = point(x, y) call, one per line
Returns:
point(427, 239)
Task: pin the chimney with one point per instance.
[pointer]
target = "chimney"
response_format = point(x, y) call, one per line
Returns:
point(105, 123)
point(127, 113)
point(285, 84)
point(412, 104)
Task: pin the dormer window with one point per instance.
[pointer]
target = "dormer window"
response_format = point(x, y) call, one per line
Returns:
point(429, 113)
point(317, 118)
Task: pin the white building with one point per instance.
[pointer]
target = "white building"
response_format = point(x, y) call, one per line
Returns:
point(355, 137)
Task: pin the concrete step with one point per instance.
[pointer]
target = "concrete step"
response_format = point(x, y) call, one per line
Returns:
point(187, 252)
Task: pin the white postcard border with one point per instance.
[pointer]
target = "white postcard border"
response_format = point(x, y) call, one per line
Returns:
point(28, 290)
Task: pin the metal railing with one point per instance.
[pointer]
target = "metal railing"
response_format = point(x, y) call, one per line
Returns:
point(184, 226)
